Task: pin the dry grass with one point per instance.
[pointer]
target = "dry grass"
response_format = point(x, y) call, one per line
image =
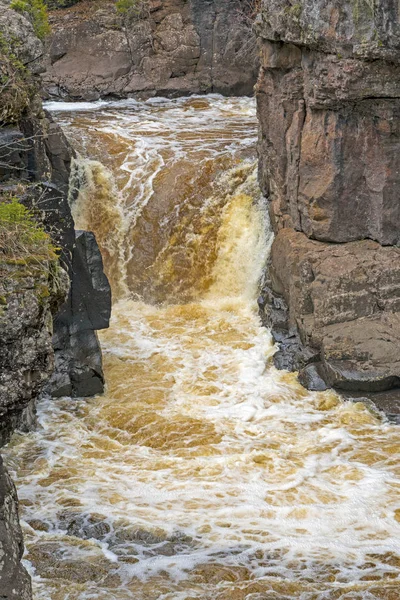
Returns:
point(21, 237)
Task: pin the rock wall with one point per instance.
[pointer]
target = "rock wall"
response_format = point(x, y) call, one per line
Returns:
point(15, 582)
point(177, 47)
point(328, 99)
point(49, 309)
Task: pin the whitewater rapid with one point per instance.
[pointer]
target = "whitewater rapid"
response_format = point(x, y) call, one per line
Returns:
point(203, 472)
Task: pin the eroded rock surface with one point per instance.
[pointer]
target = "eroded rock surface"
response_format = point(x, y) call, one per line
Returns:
point(328, 104)
point(177, 47)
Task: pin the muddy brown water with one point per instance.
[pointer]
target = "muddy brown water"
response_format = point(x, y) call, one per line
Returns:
point(202, 473)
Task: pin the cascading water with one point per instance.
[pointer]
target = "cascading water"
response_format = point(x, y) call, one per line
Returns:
point(202, 473)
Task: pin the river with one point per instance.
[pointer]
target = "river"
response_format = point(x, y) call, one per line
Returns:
point(203, 472)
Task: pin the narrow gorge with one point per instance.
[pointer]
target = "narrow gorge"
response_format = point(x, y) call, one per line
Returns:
point(230, 428)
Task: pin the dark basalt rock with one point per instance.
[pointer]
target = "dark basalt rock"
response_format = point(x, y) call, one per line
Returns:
point(310, 377)
point(78, 369)
point(78, 362)
point(387, 402)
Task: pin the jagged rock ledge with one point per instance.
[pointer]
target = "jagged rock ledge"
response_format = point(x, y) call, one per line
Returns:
point(328, 99)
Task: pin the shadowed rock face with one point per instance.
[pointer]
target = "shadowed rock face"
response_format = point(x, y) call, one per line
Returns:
point(328, 104)
point(78, 367)
point(177, 47)
point(41, 163)
point(15, 583)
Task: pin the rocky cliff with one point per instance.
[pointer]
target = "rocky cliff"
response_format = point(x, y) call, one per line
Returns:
point(328, 103)
point(50, 307)
point(174, 47)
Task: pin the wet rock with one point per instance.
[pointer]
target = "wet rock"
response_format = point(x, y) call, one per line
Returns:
point(178, 47)
point(84, 526)
point(133, 540)
point(78, 369)
point(312, 379)
point(124, 540)
point(388, 402)
point(39, 525)
point(51, 563)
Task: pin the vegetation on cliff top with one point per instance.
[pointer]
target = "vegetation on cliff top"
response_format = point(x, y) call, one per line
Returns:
point(21, 237)
point(37, 11)
point(132, 8)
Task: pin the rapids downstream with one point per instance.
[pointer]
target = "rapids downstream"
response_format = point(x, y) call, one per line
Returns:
point(203, 472)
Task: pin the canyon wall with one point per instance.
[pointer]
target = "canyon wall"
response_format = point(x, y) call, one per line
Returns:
point(50, 308)
point(175, 47)
point(328, 100)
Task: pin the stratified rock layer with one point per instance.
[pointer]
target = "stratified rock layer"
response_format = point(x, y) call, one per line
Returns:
point(177, 47)
point(329, 105)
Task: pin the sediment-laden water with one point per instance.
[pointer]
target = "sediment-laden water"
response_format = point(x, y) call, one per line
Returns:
point(202, 473)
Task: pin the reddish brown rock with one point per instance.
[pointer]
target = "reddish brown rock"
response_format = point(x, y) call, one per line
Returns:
point(176, 47)
point(329, 151)
point(330, 163)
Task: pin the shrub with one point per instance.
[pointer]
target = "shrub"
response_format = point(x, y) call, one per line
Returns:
point(132, 8)
point(21, 237)
point(15, 84)
point(37, 11)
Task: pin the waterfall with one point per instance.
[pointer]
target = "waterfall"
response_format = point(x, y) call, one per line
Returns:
point(203, 472)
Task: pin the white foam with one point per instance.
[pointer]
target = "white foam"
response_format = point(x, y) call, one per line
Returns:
point(254, 470)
